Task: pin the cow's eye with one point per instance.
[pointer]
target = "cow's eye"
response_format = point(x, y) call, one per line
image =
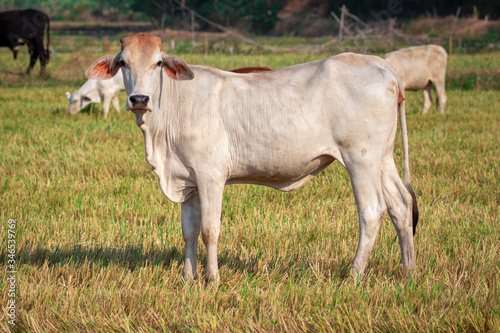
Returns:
point(122, 63)
point(159, 63)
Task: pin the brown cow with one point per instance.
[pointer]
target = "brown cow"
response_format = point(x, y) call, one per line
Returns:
point(19, 27)
point(245, 70)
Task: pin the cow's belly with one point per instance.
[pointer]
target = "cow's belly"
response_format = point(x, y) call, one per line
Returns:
point(285, 171)
point(415, 81)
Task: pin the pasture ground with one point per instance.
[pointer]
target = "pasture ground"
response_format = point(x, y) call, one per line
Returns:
point(99, 248)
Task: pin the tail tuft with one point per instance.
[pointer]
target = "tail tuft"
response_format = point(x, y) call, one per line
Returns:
point(415, 214)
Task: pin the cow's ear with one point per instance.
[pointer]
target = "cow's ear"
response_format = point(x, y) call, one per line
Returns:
point(104, 68)
point(68, 94)
point(176, 68)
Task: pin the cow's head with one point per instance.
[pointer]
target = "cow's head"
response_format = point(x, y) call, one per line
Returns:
point(143, 63)
point(77, 101)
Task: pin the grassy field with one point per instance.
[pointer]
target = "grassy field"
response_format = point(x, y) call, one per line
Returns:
point(99, 248)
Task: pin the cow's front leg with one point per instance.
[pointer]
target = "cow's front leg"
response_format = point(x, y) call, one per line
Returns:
point(105, 105)
point(211, 206)
point(116, 104)
point(191, 222)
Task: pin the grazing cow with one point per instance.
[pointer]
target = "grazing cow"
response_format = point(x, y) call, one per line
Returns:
point(419, 67)
point(19, 27)
point(204, 128)
point(95, 91)
point(246, 70)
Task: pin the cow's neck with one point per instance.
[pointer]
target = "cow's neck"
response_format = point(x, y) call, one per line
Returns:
point(89, 89)
point(161, 136)
point(155, 142)
point(158, 126)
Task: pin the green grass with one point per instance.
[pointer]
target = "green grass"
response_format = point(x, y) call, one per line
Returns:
point(99, 247)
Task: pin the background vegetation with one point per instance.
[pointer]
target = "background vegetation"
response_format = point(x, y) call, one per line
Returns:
point(99, 247)
point(258, 16)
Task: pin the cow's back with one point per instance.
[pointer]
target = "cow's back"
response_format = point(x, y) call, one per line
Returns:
point(13, 22)
point(8, 22)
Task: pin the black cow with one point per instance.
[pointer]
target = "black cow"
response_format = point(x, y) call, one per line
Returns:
point(19, 27)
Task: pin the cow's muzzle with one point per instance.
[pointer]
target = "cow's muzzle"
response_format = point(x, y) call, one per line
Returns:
point(139, 100)
point(138, 103)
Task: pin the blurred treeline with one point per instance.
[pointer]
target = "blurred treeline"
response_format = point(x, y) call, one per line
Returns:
point(260, 16)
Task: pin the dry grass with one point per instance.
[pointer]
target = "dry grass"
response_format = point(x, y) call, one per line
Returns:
point(465, 27)
point(99, 248)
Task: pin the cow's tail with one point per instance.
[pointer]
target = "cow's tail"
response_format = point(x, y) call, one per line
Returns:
point(48, 39)
point(406, 155)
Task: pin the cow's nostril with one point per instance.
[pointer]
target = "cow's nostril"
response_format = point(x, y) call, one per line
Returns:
point(139, 100)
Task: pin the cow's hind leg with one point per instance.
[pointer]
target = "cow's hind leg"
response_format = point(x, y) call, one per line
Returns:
point(401, 207)
point(371, 209)
point(441, 95)
point(34, 50)
point(427, 97)
point(33, 57)
point(191, 223)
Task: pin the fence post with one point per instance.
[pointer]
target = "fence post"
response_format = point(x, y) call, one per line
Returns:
point(453, 30)
point(193, 42)
point(341, 24)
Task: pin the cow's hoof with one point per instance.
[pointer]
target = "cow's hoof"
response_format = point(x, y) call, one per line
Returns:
point(409, 271)
point(212, 280)
point(188, 275)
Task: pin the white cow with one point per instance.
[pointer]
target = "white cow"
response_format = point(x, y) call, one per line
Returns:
point(419, 67)
point(95, 91)
point(204, 128)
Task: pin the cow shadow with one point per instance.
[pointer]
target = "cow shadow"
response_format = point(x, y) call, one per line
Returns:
point(13, 73)
point(41, 74)
point(88, 110)
point(93, 109)
point(129, 257)
point(59, 110)
point(291, 267)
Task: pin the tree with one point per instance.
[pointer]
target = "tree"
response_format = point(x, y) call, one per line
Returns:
point(263, 14)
